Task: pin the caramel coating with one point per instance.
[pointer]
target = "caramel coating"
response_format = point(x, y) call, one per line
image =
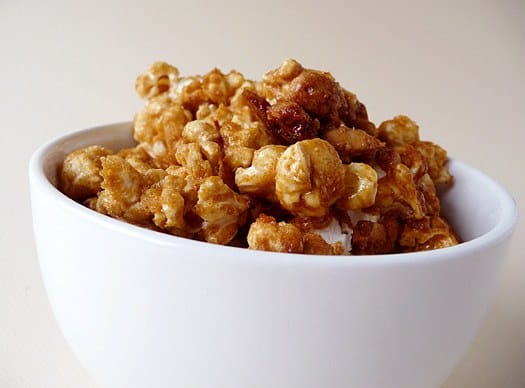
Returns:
point(222, 209)
point(399, 131)
point(314, 244)
point(360, 187)
point(436, 159)
point(259, 179)
point(374, 238)
point(289, 163)
point(397, 191)
point(159, 79)
point(121, 185)
point(319, 94)
point(79, 177)
point(352, 143)
point(310, 178)
point(158, 127)
point(266, 234)
point(430, 232)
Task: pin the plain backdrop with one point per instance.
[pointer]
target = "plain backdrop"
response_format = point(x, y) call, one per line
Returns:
point(457, 68)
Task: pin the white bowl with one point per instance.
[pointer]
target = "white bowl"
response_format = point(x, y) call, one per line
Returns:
point(145, 309)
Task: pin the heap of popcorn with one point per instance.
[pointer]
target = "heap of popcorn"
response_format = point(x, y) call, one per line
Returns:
point(290, 163)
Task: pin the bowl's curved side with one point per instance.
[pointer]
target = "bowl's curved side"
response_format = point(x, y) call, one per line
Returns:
point(145, 310)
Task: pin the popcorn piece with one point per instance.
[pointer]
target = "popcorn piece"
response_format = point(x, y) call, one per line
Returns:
point(360, 187)
point(436, 160)
point(267, 234)
point(352, 143)
point(319, 95)
point(259, 179)
point(285, 119)
point(399, 131)
point(430, 232)
point(314, 244)
point(354, 114)
point(212, 88)
point(122, 186)
point(187, 185)
point(413, 159)
point(427, 195)
point(165, 202)
point(190, 156)
point(171, 202)
point(276, 83)
point(158, 127)
point(373, 238)
point(205, 134)
point(222, 210)
point(139, 158)
point(220, 87)
point(397, 191)
point(241, 137)
point(160, 77)
point(310, 178)
point(80, 177)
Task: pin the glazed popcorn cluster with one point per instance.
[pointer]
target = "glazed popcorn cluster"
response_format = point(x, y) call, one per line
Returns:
point(290, 163)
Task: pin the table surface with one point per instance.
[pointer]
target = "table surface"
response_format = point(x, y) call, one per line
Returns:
point(457, 68)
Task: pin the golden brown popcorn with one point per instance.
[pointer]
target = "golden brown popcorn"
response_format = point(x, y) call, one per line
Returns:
point(319, 95)
point(379, 237)
point(165, 201)
point(360, 187)
point(397, 191)
point(238, 100)
point(275, 83)
point(204, 133)
point(241, 137)
point(287, 120)
point(205, 111)
point(188, 185)
point(290, 163)
point(219, 87)
point(122, 187)
point(80, 177)
point(352, 143)
point(189, 93)
point(222, 209)
point(190, 156)
point(310, 178)
point(158, 127)
point(399, 131)
point(200, 131)
point(160, 77)
point(314, 244)
point(259, 179)
point(427, 195)
point(436, 160)
point(266, 234)
point(413, 159)
point(212, 88)
point(430, 232)
point(139, 158)
point(355, 115)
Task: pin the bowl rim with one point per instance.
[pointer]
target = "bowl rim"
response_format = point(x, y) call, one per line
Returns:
point(501, 231)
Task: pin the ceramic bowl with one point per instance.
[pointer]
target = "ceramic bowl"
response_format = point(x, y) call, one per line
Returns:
point(144, 309)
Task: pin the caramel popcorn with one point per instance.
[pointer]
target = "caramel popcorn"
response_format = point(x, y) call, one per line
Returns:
point(80, 174)
point(290, 163)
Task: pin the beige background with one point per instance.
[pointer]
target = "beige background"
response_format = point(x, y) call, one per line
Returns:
point(457, 68)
